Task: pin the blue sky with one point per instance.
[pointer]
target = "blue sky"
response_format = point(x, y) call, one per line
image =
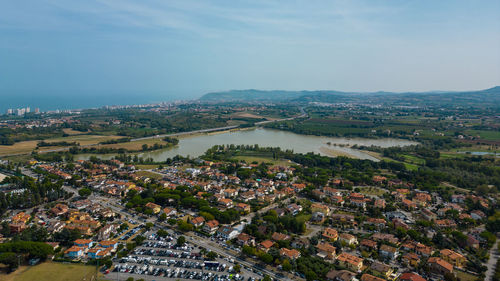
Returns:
point(186, 48)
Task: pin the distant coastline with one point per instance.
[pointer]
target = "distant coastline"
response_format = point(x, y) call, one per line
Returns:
point(82, 101)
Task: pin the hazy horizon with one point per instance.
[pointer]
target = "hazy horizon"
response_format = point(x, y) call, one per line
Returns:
point(126, 51)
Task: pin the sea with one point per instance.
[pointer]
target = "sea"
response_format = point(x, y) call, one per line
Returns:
point(51, 102)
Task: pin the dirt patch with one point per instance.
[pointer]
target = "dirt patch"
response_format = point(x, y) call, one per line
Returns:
point(335, 153)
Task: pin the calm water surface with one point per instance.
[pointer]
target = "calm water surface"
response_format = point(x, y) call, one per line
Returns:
point(196, 145)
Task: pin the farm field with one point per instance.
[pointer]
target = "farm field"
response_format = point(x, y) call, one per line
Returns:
point(26, 147)
point(485, 135)
point(18, 148)
point(70, 131)
point(84, 139)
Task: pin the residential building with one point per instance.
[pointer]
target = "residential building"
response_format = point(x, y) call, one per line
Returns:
point(265, 245)
point(154, 207)
point(330, 234)
point(245, 239)
point(368, 277)
point(388, 252)
point(454, 258)
point(410, 276)
point(347, 238)
point(226, 232)
point(326, 250)
point(381, 269)
point(211, 226)
point(289, 253)
point(74, 252)
point(349, 261)
point(439, 266)
point(341, 275)
point(198, 221)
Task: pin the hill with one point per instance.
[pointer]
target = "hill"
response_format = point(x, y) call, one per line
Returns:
point(489, 97)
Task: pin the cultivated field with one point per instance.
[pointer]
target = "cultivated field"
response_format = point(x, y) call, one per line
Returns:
point(84, 139)
point(18, 148)
point(25, 147)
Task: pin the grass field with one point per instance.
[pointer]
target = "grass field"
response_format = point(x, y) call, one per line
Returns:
point(260, 159)
point(464, 276)
point(146, 167)
point(377, 155)
point(149, 174)
point(413, 159)
point(304, 218)
point(50, 271)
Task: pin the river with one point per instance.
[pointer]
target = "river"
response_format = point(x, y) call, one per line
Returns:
point(196, 145)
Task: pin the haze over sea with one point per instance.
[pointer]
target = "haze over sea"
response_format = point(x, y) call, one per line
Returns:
point(72, 100)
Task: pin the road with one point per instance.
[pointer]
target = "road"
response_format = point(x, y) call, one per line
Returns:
point(187, 133)
point(492, 262)
point(303, 114)
point(196, 240)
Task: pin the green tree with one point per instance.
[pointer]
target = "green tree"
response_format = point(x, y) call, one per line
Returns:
point(237, 268)
point(266, 258)
point(181, 240)
point(212, 255)
point(163, 217)
point(84, 192)
point(286, 266)
point(149, 225)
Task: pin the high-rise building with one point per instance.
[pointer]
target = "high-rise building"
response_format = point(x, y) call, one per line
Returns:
point(28, 109)
point(37, 110)
point(20, 111)
point(10, 111)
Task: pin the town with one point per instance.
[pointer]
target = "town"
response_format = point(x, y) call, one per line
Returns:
point(216, 218)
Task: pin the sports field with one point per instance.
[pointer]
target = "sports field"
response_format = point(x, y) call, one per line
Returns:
point(51, 271)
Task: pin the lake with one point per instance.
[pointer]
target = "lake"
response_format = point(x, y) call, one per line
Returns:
point(196, 145)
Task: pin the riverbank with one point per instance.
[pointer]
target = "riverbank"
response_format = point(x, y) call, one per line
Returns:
point(195, 145)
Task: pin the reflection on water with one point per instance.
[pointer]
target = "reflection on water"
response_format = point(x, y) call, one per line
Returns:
point(196, 145)
point(480, 153)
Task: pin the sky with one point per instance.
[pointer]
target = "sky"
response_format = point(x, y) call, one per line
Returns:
point(112, 49)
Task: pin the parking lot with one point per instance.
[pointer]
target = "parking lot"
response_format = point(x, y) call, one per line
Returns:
point(159, 258)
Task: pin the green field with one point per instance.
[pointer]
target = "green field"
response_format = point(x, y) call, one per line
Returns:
point(260, 159)
point(51, 271)
point(485, 135)
point(464, 276)
point(413, 159)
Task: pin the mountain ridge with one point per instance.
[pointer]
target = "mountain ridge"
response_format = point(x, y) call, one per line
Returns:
point(255, 95)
